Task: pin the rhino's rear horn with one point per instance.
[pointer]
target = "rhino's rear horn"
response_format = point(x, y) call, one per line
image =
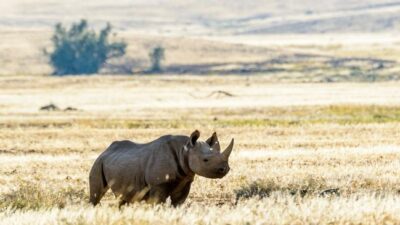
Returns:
point(228, 150)
point(213, 142)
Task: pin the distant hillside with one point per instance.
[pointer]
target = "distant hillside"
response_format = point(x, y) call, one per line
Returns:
point(210, 17)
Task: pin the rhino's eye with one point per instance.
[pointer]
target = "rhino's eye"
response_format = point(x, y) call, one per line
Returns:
point(205, 160)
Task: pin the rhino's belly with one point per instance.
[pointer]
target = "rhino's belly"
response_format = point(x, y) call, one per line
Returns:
point(126, 187)
point(124, 176)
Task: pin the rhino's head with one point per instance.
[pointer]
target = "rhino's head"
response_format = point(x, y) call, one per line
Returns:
point(206, 158)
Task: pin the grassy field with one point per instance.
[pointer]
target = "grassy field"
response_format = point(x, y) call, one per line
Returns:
point(305, 153)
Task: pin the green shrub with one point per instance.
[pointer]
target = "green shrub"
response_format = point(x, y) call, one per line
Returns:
point(80, 50)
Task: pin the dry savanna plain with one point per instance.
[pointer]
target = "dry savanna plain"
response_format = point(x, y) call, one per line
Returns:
point(316, 131)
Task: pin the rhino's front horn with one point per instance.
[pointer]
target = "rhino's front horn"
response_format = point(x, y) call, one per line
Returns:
point(228, 150)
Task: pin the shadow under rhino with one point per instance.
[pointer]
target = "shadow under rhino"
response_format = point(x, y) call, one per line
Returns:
point(158, 170)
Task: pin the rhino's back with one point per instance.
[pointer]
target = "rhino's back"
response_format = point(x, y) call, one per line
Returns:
point(128, 148)
point(122, 155)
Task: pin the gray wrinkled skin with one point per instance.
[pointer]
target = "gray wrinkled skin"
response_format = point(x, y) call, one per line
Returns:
point(157, 170)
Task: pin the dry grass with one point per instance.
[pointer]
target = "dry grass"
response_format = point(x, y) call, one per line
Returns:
point(319, 157)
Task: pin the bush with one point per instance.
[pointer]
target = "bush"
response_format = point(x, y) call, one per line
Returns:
point(156, 56)
point(80, 50)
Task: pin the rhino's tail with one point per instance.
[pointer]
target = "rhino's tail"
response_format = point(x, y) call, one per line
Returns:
point(97, 182)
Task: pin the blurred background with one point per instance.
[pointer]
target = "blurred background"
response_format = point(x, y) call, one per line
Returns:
point(300, 41)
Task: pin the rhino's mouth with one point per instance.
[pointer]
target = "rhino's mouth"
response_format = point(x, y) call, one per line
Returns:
point(217, 174)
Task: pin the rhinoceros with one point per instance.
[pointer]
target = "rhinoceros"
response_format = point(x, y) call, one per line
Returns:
point(154, 171)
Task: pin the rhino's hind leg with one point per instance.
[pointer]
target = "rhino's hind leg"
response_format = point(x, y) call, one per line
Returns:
point(157, 194)
point(97, 183)
point(134, 196)
point(126, 199)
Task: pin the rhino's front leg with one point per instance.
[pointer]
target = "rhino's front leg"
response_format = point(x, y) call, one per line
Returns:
point(179, 197)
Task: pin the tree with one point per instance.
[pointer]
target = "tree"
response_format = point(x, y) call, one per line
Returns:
point(156, 56)
point(80, 50)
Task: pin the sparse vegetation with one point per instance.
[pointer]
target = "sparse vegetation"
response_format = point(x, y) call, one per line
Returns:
point(79, 50)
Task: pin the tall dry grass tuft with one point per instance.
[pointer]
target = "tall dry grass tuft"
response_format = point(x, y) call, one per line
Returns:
point(33, 196)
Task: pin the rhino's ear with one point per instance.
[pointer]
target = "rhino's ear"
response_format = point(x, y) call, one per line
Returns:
point(213, 142)
point(193, 137)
